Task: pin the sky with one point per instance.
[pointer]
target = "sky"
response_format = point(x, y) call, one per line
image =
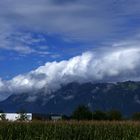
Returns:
point(47, 43)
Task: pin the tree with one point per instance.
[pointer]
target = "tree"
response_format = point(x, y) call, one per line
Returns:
point(136, 116)
point(114, 115)
point(65, 117)
point(99, 115)
point(22, 115)
point(82, 113)
point(3, 116)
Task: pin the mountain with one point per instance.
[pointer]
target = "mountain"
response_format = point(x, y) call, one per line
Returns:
point(123, 96)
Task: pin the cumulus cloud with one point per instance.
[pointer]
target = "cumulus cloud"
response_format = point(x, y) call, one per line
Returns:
point(110, 65)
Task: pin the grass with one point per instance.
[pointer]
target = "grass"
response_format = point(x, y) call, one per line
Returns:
point(72, 130)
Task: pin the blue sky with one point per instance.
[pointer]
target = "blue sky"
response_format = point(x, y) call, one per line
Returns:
point(34, 32)
point(50, 48)
point(45, 44)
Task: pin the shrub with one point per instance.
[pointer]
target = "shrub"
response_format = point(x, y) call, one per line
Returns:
point(136, 116)
point(114, 115)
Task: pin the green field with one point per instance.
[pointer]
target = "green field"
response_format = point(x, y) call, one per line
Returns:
point(70, 130)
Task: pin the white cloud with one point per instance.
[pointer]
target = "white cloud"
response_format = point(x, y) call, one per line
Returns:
point(87, 21)
point(110, 65)
point(77, 19)
point(1, 83)
point(21, 42)
point(31, 98)
point(3, 95)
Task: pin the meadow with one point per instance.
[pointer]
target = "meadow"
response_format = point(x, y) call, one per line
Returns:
point(70, 130)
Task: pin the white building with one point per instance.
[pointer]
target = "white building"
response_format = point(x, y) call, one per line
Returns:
point(16, 116)
point(56, 118)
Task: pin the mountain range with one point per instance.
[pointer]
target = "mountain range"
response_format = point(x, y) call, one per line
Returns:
point(122, 96)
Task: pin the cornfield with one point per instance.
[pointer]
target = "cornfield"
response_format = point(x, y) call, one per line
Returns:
point(71, 130)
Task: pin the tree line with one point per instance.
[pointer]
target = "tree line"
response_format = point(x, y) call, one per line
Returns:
point(82, 112)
